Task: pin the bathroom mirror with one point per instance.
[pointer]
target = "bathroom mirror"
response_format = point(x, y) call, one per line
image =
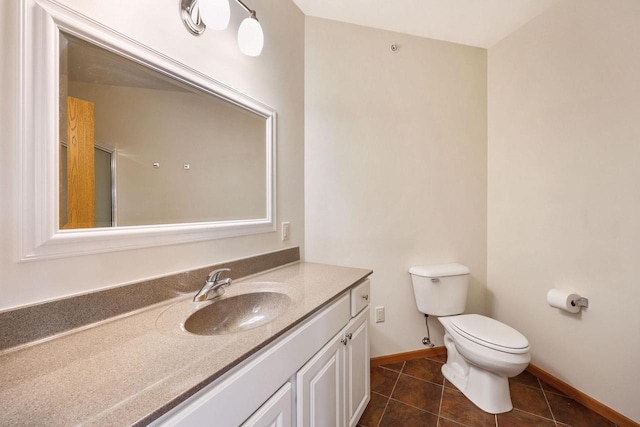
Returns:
point(159, 151)
point(123, 147)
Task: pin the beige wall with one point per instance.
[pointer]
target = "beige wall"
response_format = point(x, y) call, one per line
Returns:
point(395, 164)
point(276, 78)
point(564, 192)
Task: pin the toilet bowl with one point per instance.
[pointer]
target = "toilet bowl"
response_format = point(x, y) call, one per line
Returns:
point(482, 353)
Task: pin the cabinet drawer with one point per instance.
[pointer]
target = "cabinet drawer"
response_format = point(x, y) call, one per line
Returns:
point(360, 297)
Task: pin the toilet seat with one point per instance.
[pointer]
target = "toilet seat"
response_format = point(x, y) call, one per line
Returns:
point(489, 333)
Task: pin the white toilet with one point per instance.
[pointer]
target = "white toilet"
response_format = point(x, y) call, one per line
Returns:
point(482, 353)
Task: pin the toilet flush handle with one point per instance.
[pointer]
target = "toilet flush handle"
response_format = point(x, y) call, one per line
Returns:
point(435, 279)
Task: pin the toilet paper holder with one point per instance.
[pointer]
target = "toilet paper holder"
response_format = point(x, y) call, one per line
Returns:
point(580, 302)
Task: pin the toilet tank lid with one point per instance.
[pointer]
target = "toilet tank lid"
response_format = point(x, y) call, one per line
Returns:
point(440, 270)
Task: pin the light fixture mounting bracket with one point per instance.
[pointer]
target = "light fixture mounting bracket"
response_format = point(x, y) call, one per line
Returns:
point(190, 14)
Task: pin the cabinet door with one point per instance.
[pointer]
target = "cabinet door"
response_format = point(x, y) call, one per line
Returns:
point(320, 383)
point(275, 412)
point(357, 367)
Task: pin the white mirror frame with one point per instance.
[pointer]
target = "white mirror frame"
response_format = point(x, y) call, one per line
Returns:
point(38, 204)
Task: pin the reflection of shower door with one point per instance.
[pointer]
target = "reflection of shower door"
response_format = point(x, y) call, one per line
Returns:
point(105, 184)
point(104, 175)
point(80, 165)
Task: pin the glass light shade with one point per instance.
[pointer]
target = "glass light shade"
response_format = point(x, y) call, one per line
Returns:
point(215, 13)
point(250, 37)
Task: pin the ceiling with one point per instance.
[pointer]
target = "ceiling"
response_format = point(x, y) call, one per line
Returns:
point(84, 62)
point(480, 23)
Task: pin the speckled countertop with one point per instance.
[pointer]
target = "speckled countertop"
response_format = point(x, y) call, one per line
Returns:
point(133, 369)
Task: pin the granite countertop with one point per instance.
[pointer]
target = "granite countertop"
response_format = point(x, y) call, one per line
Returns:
point(132, 369)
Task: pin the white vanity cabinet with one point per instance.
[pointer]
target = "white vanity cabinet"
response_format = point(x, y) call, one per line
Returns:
point(357, 385)
point(315, 375)
point(320, 387)
point(333, 387)
point(275, 412)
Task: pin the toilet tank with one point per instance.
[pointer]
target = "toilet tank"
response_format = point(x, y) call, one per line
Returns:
point(440, 289)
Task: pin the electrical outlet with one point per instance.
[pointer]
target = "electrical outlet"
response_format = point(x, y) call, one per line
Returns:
point(285, 231)
point(379, 314)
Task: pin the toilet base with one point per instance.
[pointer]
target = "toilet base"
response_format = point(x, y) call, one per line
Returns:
point(487, 390)
point(484, 389)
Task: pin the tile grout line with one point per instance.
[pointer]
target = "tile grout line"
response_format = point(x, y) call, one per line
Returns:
point(544, 393)
point(423, 380)
point(535, 415)
point(427, 381)
point(391, 394)
point(412, 406)
point(389, 369)
point(444, 380)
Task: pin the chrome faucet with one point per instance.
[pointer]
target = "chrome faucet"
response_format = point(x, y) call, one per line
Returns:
point(213, 287)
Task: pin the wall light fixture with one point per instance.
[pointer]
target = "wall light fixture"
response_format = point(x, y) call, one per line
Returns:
point(215, 14)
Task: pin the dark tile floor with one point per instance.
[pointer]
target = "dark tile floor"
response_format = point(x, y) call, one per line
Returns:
point(414, 393)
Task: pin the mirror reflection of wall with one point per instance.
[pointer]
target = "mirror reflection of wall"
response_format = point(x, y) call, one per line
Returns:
point(209, 154)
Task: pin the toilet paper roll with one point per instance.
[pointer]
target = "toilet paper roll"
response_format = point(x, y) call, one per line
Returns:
point(561, 299)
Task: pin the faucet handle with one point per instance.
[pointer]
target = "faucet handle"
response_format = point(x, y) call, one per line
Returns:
point(213, 276)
